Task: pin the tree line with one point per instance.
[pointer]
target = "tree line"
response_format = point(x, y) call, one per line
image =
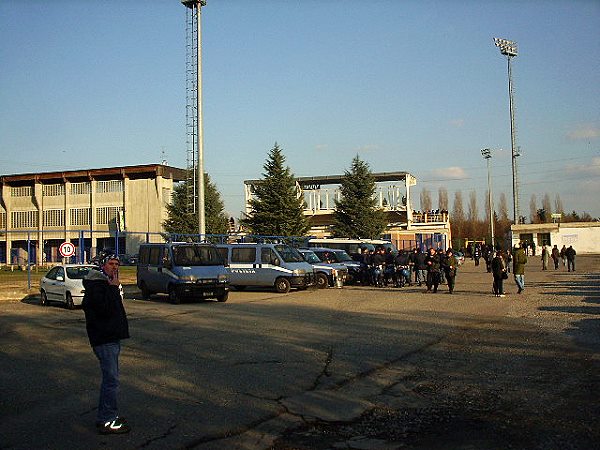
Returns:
point(276, 207)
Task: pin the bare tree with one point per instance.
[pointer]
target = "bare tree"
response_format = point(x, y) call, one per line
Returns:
point(558, 205)
point(533, 209)
point(426, 204)
point(443, 198)
point(473, 215)
point(458, 211)
point(547, 206)
point(503, 208)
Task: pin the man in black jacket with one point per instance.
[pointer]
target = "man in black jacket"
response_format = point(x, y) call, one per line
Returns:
point(106, 324)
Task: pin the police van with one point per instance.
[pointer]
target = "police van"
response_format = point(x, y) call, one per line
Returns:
point(327, 274)
point(266, 265)
point(183, 270)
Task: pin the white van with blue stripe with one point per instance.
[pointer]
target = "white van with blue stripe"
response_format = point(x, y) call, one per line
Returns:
point(266, 265)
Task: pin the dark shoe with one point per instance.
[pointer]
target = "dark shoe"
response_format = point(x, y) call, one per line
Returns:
point(116, 426)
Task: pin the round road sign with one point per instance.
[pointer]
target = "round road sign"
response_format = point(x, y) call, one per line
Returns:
point(66, 249)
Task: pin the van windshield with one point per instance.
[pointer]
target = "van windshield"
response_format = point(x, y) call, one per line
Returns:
point(311, 257)
point(289, 254)
point(342, 256)
point(196, 255)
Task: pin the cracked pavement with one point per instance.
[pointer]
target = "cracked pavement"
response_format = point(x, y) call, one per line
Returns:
point(359, 367)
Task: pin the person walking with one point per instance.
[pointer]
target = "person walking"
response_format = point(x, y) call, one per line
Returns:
point(450, 266)
point(420, 267)
point(499, 273)
point(477, 254)
point(519, 261)
point(432, 260)
point(555, 256)
point(563, 255)
point(106, 325)
point(545, 258)
point(570, 254)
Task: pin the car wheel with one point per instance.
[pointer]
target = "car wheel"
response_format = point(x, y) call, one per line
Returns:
point(69, 301)
point(145, 291)
point(223, 298)
point(322, 281)
point(282, 285)
point(44, 299)
point(173, 296)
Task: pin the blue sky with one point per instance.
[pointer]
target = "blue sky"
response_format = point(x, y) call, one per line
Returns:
point(413, 86)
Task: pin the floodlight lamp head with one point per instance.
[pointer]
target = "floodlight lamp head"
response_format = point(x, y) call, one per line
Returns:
point(486, 153)
point(508, 48)
point(191, 3)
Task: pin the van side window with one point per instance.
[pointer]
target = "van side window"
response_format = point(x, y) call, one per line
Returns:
point(165, 256)
point(243, 255)
point(154, 258)
point(222, 251)
point(268, 256)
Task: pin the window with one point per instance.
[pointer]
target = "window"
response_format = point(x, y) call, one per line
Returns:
point(107, 214)
point(21, 191)
point(54, 218)
point(2, 219)
point(81, 188)
point(103, 187)
point(543, 239)
point(81, 216)
point(24, 219)
point(155, 256)
point(243, 255)
point(52, 190)
point(268, 256)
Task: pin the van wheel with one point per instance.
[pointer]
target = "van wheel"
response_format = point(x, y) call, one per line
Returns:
point(282, 285)
point(322, 281)
point(145, 291)
point(223, 298)
point(69, 301)
point(173, 297)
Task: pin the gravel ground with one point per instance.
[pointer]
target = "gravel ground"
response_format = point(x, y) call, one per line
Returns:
point(528, 378)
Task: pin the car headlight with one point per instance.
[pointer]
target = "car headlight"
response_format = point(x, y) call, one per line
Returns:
point(334, 272)
point(192, 278)
point(223, 278)
point(297, 272)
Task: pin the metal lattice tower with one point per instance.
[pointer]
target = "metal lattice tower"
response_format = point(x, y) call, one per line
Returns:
point(191, 112)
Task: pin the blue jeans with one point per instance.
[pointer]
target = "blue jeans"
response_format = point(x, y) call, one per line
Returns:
point(520, 280)
point(108, 355)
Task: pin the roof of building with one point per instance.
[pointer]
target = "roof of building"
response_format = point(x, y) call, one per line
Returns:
point(140, 171)
point(337, 179)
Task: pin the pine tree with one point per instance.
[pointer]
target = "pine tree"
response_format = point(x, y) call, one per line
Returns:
point(356, 213)
point(181, 221)
point(276, 207)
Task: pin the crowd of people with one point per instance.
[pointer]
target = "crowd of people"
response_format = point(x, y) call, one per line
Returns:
point(433, 267)
point(381, 268)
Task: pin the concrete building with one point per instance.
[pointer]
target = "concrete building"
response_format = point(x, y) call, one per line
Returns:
point(407, 228)
point(39, 211)
point(583, 236)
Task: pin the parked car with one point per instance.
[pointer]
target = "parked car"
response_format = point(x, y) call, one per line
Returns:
point(64, 283)
point(333, 255)
point(326, 274)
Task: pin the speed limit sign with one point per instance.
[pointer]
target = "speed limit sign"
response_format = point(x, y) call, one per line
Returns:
point(66, 249)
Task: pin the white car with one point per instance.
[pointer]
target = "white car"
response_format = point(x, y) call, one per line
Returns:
point(64, 283)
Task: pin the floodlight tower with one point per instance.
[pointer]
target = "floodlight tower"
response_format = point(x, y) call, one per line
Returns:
point(509, 48)
point(195, 92)
point(487, 154)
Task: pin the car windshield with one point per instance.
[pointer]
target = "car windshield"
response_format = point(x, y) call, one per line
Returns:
point(79, 273)
point(342, 256)
point(289, 254)
point(196, 255)
point(311, 257)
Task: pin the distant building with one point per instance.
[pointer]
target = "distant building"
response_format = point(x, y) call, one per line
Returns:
point(583, 236)
point(87, 207)
point(407, 228)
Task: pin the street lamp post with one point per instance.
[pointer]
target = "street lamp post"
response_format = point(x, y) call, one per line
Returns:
point(509, 49)
point(197, 5)
point(487, 154)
